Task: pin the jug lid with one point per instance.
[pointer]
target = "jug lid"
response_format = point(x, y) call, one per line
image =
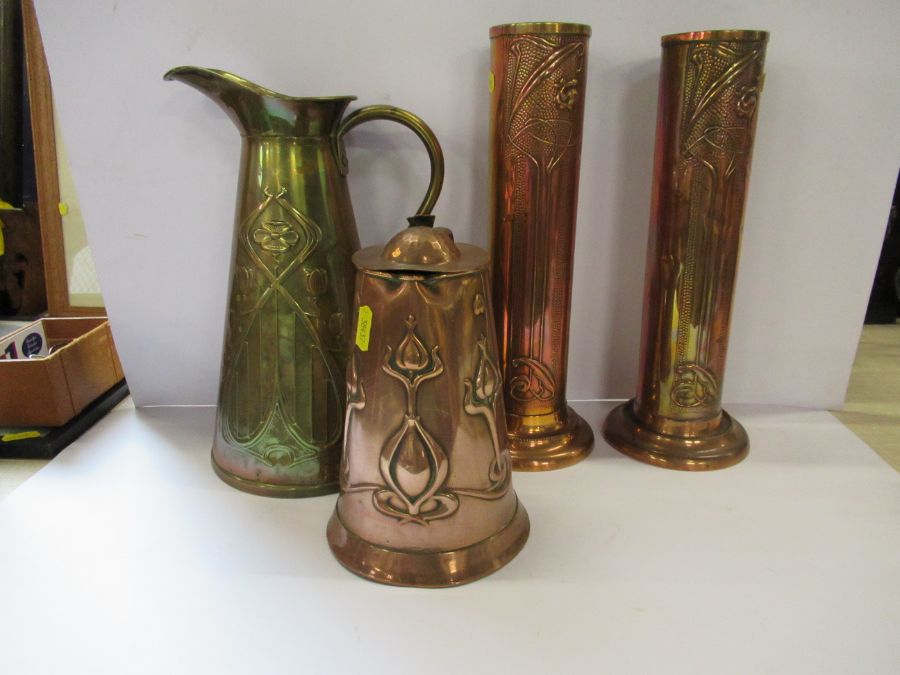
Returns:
point(421, 247)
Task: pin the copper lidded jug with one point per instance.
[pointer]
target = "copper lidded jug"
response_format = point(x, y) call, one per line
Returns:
point(281, 398)
point(426, 494)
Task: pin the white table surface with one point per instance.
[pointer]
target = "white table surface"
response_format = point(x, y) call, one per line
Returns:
point(127, 555)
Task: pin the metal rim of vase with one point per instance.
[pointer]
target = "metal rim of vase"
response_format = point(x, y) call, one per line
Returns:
point(723, 35)
point(540, 27)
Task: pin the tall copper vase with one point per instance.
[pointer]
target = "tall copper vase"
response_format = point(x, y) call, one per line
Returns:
point(538, 74)
point(709, 88)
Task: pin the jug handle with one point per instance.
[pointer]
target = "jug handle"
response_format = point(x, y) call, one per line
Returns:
point(413, 122)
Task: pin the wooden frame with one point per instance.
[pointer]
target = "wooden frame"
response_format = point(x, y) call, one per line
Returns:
point(46, 170)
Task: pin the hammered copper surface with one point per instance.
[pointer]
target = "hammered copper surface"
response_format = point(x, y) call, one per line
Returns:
point(426, 492)
point(537, 81)
point(709, 89)
point(281, 400)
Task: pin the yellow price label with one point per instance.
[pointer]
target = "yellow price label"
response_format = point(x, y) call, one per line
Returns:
point(491, 82)
point(364, 328)
point(20, 436)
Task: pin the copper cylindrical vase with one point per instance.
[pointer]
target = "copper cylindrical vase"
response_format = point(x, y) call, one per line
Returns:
point(537, 81)
point(708, 93)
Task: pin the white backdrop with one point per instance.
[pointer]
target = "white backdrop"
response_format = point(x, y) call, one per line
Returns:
point(156, 164)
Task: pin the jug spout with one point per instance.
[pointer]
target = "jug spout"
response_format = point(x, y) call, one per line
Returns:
point(258, 111)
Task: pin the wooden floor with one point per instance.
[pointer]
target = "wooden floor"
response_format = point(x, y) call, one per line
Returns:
point(872, 409)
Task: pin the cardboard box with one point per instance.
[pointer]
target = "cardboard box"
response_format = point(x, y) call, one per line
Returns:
point(50, 391)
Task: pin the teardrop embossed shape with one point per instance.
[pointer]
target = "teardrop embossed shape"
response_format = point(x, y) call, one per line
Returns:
point(487, 375)
point(413, 465)
point(412, 354)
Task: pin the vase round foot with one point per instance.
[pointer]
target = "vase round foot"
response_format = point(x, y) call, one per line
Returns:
point(725, 447)
point(553, 451)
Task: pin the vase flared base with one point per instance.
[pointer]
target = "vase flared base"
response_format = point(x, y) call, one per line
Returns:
point(428, 569)
point(553, 451)
point(272, 489)
point(627, 434)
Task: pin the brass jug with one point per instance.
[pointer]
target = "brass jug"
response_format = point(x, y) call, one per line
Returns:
point(426, 493)
point(281, 397)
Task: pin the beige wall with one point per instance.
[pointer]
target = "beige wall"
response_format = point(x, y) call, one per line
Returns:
point(84, 288)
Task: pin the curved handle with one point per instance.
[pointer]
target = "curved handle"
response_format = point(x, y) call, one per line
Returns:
point(422, 130)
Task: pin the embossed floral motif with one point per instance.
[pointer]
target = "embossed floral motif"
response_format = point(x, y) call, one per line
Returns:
point(316, 281)
point(413, 464)
point(721, 85)
point(566, 94)
point(412, 355)
point(544, 79)
point(478, 304)
point(544, 82)
point(275, 236)
point(275, 242)
point(356, 401)
point(694, 386)
point(747, 99)
point(532, 380)
point(336, 325)
point(278, 455)
point(246, 289)
point(486, 381)
point(480, 394)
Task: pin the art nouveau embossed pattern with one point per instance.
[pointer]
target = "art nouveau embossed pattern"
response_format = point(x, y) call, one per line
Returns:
point(282, 372)
point(413, 464)
point(280, 408)
point(721, 86)
point(707, 121)
point(537, 144)
point(432, 439)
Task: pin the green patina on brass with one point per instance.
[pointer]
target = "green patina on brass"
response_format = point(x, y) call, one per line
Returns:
point(281, 401)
